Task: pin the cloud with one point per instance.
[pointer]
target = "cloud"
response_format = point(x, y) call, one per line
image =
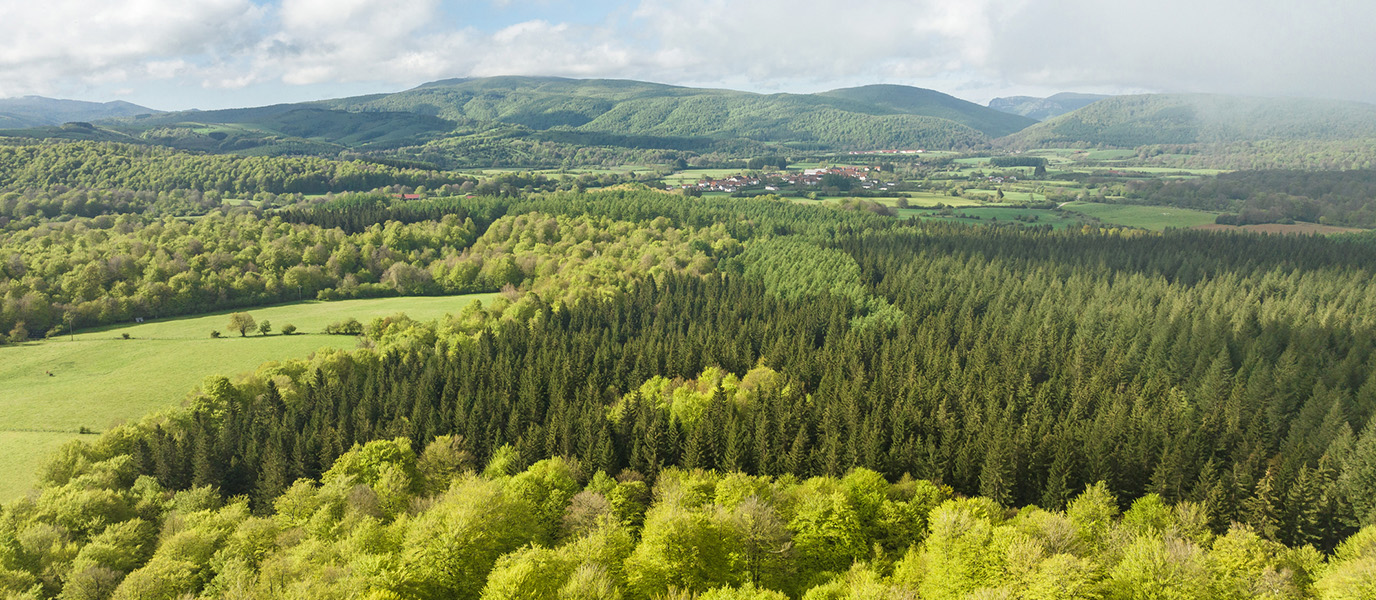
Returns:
point(59, 44)
point(976, 48)
point(1245, 46)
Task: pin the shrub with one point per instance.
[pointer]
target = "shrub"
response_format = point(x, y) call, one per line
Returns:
point(288, 329)
point(214, 334)
point(124, 336)
point(349, 326)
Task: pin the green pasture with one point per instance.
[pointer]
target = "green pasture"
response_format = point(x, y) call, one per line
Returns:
point(1146, 217)
point(1003, 215)
point(1009, 196)
point(1110, 154)
point(100, 379)
point(696, 175)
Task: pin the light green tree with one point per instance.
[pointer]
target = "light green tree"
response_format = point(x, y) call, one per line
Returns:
point(242, 322)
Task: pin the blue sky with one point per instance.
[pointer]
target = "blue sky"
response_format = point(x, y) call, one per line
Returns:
point(177, 54)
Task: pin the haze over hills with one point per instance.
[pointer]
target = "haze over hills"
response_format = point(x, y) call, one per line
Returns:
point(1042, 109)
point(1130, 121)
point(37, 111)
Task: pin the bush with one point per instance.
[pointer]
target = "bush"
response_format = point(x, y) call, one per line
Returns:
point(349, 326)
point(288, 329)
point(214, 334)
point(124, 336)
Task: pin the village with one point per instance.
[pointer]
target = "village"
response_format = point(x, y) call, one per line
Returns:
point(867, 177)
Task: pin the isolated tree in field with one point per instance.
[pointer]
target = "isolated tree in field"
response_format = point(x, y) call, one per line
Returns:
point(265, 327)
point(242, 323)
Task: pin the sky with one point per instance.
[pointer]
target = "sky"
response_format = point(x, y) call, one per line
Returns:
point(182, 54)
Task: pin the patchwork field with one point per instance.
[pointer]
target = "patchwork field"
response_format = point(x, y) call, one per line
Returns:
point(55, 388)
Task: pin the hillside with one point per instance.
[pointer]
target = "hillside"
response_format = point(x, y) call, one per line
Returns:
point(525, 121)
point(1130, 121)
point(37, 111)
point(1042, 109)
point(839, 117)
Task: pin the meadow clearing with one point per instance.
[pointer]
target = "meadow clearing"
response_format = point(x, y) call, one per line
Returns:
point(99, 379)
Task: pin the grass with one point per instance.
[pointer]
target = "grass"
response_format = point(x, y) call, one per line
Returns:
point(696, 175)
point(100, 379)
point(1001, 214)
point(1146, 217)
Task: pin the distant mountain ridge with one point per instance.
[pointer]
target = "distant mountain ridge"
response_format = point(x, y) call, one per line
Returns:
point(553, 121)
point(1042, 109)
point(539, 120)
point(1131, 121)
point(37, 111)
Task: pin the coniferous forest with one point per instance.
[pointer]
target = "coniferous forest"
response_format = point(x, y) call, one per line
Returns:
point(720, 398)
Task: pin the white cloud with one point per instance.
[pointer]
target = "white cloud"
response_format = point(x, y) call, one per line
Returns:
point(1275, 47)
point(60, 44)
point(975, 48)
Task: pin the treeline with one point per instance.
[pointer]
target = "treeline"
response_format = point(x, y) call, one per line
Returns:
point(110, 269)
point(387, 521)
point(1328, 197)
point(33, 206)
point(1262, 155)
point(107, 270)
point(1017, 161)
point(153, 169)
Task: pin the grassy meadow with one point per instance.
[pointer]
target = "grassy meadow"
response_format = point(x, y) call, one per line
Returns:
point(1155, 218)
point(992, 215)
point(100, 379)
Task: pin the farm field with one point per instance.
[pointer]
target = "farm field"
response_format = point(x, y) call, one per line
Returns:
point(100, 379)
point(696, 175)
point(1002, 215)
point(1146, 217)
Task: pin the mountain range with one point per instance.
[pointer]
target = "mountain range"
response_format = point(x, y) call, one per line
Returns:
point(37, 111)
point(535, 121)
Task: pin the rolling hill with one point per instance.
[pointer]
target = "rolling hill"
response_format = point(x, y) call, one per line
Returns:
point(1130, 121)
point(1042, 109)
point(462, 122)
point(37, 111)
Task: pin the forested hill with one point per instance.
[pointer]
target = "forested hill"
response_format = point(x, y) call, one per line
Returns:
point(867, 117)
point(37, 111)
point(1131, 121)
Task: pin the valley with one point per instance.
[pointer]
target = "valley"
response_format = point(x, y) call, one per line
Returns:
point(537, 337)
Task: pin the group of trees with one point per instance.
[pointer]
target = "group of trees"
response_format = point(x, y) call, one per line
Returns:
point(388, 521)
point(104, 165)
point(107, 270)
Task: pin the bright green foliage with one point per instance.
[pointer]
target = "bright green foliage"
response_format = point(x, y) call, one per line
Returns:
point(828, 536)
point(959, 557)
point(1092, 513)
point(683, 548)
point(153, 169)
point(745, 592)
point(448, 551)
point(532, 573)
point(1154, 568)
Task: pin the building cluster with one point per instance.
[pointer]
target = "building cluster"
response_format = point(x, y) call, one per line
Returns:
point(772, 182)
